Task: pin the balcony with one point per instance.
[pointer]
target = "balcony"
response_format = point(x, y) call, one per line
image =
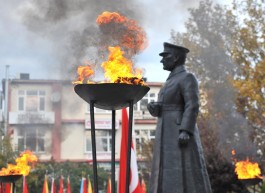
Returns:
point(31, 117)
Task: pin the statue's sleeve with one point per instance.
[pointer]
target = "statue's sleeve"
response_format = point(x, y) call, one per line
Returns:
point(190, 92)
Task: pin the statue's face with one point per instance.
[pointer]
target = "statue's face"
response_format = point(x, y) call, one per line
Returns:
point(169, 61)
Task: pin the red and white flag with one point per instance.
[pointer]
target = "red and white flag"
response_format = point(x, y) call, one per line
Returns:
point(53, 186)
point(68, 185)
point(135, 186)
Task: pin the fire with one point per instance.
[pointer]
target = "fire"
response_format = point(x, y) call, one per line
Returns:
point(126, 32)
point(22, 167)
point(107, 17)
point(118, 66)
point(246, 169)
point(128, 39)
point(84, 72)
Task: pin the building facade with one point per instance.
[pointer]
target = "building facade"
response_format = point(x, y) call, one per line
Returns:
point(50, 119)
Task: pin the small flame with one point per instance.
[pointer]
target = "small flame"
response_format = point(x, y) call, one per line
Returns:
point(84, 73)
point(246, 169)
point(22, 167)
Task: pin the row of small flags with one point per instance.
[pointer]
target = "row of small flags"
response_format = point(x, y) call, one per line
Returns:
point(85, 186)
point(45, 188)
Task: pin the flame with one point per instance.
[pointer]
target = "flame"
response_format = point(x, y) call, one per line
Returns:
point(128, 34)
point(22, 167)
point(118, 66)
point(128, 39)
point(107, 17)
point(246, 169)
point(84, 72)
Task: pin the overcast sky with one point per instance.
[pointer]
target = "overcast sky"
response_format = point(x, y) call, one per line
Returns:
point(29, 50)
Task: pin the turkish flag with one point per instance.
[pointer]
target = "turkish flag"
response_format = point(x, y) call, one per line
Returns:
point(135, 186)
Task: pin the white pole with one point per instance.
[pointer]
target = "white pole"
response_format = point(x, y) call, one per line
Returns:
point(6, 99)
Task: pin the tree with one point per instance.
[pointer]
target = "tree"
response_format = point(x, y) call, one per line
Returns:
point(248, 52)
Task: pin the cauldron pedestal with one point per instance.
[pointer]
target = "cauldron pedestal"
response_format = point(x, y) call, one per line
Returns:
point(251, 182)
point(111, 96)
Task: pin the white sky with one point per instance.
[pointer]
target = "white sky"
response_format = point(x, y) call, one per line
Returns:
point(27, 52)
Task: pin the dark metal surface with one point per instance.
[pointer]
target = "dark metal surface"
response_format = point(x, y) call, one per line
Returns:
point(93, 140)
point(251, 182)
point(10, 178)
point(113, 134)
point(111, 96)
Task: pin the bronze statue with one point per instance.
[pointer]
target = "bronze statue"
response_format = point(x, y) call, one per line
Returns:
point(178, 162)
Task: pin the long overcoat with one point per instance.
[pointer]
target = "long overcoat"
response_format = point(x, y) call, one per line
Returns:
point(178, 169)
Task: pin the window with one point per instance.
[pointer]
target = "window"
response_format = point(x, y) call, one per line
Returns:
point(142, 104)
point(31, 100)
point(97, 110)
point(103, 141)
point(142, 136)
point(32, 139)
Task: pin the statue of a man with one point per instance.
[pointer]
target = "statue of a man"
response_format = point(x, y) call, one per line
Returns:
point(178, 162)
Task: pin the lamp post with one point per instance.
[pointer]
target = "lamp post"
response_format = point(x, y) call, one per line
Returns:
point(6, 100)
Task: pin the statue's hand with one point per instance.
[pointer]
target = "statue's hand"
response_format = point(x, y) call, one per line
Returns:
point(184, 138)
point(154, 108)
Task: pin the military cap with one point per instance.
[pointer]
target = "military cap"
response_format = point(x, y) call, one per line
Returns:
point(168, 48)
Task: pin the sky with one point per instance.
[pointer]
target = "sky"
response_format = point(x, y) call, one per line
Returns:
point(41, 43)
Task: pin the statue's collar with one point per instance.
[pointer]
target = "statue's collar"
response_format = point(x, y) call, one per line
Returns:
point(176, 70)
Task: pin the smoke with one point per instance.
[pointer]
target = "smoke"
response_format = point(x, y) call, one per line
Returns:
point(71, 28)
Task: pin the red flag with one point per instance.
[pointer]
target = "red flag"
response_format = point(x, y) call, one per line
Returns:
point(135, 186)
point(25, 186)
point(8, 188)
point(85, 186)
point(68, 185)
point(53, 186)
point(61, 185)
point(109, 186)
point(143, 186)
point(1, 187)
point(45, 188)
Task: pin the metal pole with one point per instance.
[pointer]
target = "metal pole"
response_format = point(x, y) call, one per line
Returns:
point(93, 140)
point(129, 146)
point(13, 187)
point(6, 100)
point(113, 152)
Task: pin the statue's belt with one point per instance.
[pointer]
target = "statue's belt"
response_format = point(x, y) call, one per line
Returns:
point(172, 107)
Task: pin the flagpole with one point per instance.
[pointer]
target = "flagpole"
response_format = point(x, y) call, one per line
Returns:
point(113, 152)
point(129, 146)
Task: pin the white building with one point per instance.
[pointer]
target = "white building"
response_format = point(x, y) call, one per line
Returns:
point(50, 119)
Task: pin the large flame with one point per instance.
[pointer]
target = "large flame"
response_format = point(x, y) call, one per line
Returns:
point(107, 17)
point(246, 169)
point(126, 32)
point(118, 66)
point(22, 167)
point(128, 39)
